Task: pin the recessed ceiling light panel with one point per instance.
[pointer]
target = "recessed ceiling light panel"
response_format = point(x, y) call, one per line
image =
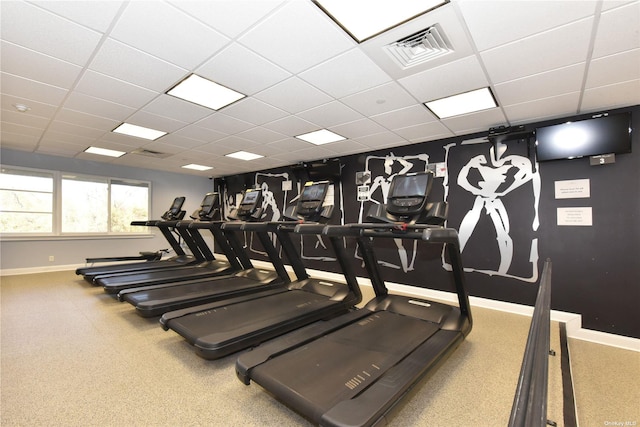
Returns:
point(363, 19)
point(105, 152)
point(464, 103)
point(197, 167)
point(243, 155)
point(204, 92)
point(320, 137)
point(139, 131)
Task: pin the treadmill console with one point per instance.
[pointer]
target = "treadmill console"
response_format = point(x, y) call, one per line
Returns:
point(310, 206)
point(407, 202)
point(175, 212)
point(209, 209)
point(250, 205)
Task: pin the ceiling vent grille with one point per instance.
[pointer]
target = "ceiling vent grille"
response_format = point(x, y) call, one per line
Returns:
point(420, 47)
point(150, 153)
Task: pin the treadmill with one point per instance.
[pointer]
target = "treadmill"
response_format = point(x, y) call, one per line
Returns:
point(174, 213)
point(208, 268)
point(353, 369)
point(221, 328)
point(151, 301)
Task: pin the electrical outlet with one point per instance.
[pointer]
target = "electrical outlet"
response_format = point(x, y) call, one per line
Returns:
point(51, 258)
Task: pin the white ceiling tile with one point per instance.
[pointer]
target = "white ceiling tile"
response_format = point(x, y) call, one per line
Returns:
point(306, 96)
point(358, 128)
point(73, 129)
point(97, 17)
point(288, 144)
point(168, 33)
point(179, 109)
point(142, 69)
point(97, 107)
point(618, 30)
point(181, 141)
point(17, 141)
point(612, 96)
point(59, 149)
point(404, 117)
point(261, 135)
point(617, 68)
point(475, 122)
point(330, 114)
point(153, 121)
point(31, 90)
point(242, 70)
point(390, 96)
point(306, 154)
point(381, 140)
point(35, 108)
point(37, 66)
point(357, 72)
point(230, 17)
point(456, 77)
point(225, 124)
point(29, 26)
point(543, 85)
point(254, 111)
point(81, 142)
point(540, 109)
point(494, 23)
point(297, 36)
point(424, 132)
point(114, 90)
point(200, 133)
point(87, 120)
point(291, 125)
point(346, 148)
point(546, 51)
point(33, 126)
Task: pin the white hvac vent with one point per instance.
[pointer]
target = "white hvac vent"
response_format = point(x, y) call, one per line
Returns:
point(420, 47)
point(150, 153)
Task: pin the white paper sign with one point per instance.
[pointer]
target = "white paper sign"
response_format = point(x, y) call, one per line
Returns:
point(575, 216)
point(573, 189)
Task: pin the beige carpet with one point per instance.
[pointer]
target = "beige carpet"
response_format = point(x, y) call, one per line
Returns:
point(73, 356)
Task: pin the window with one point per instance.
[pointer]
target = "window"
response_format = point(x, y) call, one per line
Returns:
point(26, 201)
point(53, 203)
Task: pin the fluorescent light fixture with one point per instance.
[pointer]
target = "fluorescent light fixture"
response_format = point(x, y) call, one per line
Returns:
point(204, 92)
point(363, 19)
point(104, 152)
point(139, 131)
point(196, 167)
point(464, 103)
point(320, 137)
point(243, 155)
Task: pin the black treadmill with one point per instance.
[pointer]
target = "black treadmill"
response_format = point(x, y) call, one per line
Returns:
point(155, 300)
point(353, 369)
point(218, 329)
point(174, 213)
point(208, 268)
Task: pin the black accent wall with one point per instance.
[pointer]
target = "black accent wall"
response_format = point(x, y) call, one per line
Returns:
point(504, 206)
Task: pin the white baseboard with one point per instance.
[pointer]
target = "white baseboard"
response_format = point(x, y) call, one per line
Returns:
point(572, 320)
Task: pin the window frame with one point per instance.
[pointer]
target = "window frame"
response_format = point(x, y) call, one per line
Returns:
point(56, 233)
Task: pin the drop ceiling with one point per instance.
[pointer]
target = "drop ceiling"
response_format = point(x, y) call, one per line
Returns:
point(84, 67)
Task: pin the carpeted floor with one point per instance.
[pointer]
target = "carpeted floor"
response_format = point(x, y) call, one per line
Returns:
point(72, 355)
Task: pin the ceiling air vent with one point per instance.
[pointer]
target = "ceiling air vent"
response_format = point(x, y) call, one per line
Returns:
point(420, 47)
point(150, 153)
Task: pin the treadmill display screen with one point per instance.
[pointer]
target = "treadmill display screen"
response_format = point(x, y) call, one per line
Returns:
point(250, 197)
point(315, 192)
point(208, 203)
point(177, 205)
point(409, 186)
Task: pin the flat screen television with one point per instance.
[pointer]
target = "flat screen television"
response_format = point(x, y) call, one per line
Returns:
point(589, 137)
point(250, 198)
point(313, 192)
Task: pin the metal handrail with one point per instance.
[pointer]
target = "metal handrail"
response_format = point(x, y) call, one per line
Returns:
point(530, 401)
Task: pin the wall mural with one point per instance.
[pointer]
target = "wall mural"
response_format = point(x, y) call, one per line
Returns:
point(485, 180)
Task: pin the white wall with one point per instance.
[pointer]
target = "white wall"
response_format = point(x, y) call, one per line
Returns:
point(165, 187)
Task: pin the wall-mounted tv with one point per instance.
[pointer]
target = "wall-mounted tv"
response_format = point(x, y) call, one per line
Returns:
point(609, 133)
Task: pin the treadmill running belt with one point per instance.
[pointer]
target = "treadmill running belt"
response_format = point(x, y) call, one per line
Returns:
point(215, 328)
point(338, 366)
